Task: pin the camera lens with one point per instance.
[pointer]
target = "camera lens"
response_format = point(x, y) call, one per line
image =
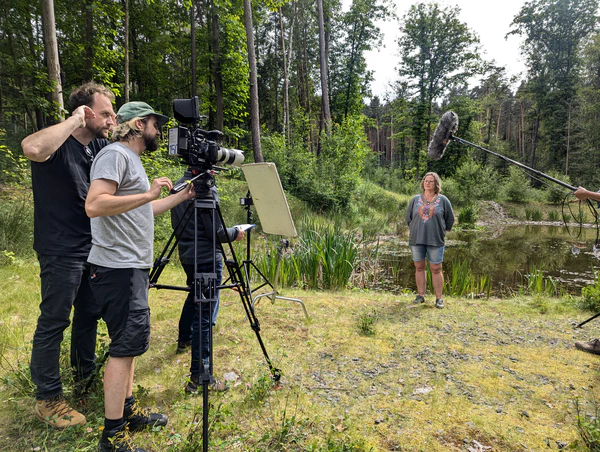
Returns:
point(233, 157)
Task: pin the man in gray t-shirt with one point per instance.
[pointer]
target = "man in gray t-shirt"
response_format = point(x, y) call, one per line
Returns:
point(122, 205)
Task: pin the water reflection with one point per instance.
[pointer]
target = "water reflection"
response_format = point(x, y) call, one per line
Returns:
point(506, 254)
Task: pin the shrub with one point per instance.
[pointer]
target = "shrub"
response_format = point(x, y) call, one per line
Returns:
point(554, 193)
point(328, 180)
point(591, 295)
point(471, 182)
point(468, 215)
point(533, 214)
point(516, 186)
point(366, 321)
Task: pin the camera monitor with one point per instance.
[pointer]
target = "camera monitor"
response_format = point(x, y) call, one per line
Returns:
point(269, 199)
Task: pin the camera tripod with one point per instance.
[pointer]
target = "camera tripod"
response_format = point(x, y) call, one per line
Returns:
point(205, 285)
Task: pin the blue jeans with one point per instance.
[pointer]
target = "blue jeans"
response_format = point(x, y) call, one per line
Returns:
point(65, 284)
point(434, 253)
point(189, 321)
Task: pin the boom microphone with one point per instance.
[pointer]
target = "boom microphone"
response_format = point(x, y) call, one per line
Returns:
point(442, 135)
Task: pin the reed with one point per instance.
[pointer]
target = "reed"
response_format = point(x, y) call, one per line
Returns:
point(535, 283)
point(323, 258)
point(463, 283)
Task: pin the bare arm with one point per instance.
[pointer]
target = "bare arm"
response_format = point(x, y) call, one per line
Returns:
point(162, 205)
point(41, 145)
point(582, 194)
point(101, 200)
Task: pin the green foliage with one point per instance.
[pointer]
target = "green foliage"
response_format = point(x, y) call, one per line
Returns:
point(516, 186)
point(553, 215)
point(591, 295)
point(366, 321)
point(467, 216)
point(326, 255)
point(471, 182)
point(538, 284)
point(462, 283)
point(349, 76)
point(16, 230)
point(389, 178)
point(14, 166)
point(260, 388)
point(588, 425)
point(554, 193)
point(533, 214)
point(326, 181)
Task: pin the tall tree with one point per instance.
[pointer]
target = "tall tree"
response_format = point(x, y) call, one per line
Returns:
point(51, 49)
point(254, 111)
point(126, 91)
point(554, 31)
point(323, 62)
point(438, 52)
point(357, 32)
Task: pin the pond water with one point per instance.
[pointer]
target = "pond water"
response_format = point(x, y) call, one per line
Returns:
point(505, 254)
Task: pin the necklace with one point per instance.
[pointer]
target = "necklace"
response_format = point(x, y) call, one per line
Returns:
point(428, 202)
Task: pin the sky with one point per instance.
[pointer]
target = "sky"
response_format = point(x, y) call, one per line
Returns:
point(490, 20)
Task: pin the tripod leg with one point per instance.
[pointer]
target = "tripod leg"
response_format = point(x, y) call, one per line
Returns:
point(588, 320)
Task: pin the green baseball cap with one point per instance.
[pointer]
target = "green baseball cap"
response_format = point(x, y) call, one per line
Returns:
point(137, 109)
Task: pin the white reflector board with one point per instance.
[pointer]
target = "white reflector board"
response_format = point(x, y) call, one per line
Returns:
point(269, 199)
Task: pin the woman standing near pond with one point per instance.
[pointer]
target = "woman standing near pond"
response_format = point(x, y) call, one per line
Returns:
point(429, 217)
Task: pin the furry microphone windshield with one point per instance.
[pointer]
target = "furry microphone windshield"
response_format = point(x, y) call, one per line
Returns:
point(442, 135)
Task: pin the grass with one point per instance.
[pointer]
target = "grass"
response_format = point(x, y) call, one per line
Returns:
point(501, 373)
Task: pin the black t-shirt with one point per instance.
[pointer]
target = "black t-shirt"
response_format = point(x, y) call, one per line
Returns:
point(185, 235)
point(60, 185)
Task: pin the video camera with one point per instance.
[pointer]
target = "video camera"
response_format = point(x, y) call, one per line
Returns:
point(198, 147)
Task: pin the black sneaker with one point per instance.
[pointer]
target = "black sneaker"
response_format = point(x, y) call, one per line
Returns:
point(420, 299)
point(439, 303)
point(117, 440)
point(182, 346)
point(138, 419)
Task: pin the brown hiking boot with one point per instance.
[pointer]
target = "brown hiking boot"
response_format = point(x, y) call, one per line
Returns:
point(592, 346)
point(57, 413)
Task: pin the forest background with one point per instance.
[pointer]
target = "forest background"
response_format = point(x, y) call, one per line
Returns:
point(308, 60)
point(287, 82)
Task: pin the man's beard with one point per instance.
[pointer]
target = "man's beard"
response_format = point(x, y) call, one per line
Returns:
point(150, 142)
point(98, 132)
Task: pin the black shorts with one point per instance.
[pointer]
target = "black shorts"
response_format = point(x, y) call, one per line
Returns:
point(121, 297)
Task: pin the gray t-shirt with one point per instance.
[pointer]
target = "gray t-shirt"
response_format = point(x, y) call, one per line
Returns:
point(428, 222)
point(125, 240)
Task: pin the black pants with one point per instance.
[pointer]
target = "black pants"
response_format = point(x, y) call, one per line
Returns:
point(65, 284)
point(189, 321)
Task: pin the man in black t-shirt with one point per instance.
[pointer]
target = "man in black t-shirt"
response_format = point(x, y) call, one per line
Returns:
point(61, 157)
point(196, 318)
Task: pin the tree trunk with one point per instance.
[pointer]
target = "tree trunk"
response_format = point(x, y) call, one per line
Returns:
point(193, 48)
point(254, 113)
point(88, 39)
point(286, 82)
point(216, 66)
point(536, 127)
point(325, 111)
point(51, 49)
point(498, 122)
point(126, 51)
point(568, 139)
